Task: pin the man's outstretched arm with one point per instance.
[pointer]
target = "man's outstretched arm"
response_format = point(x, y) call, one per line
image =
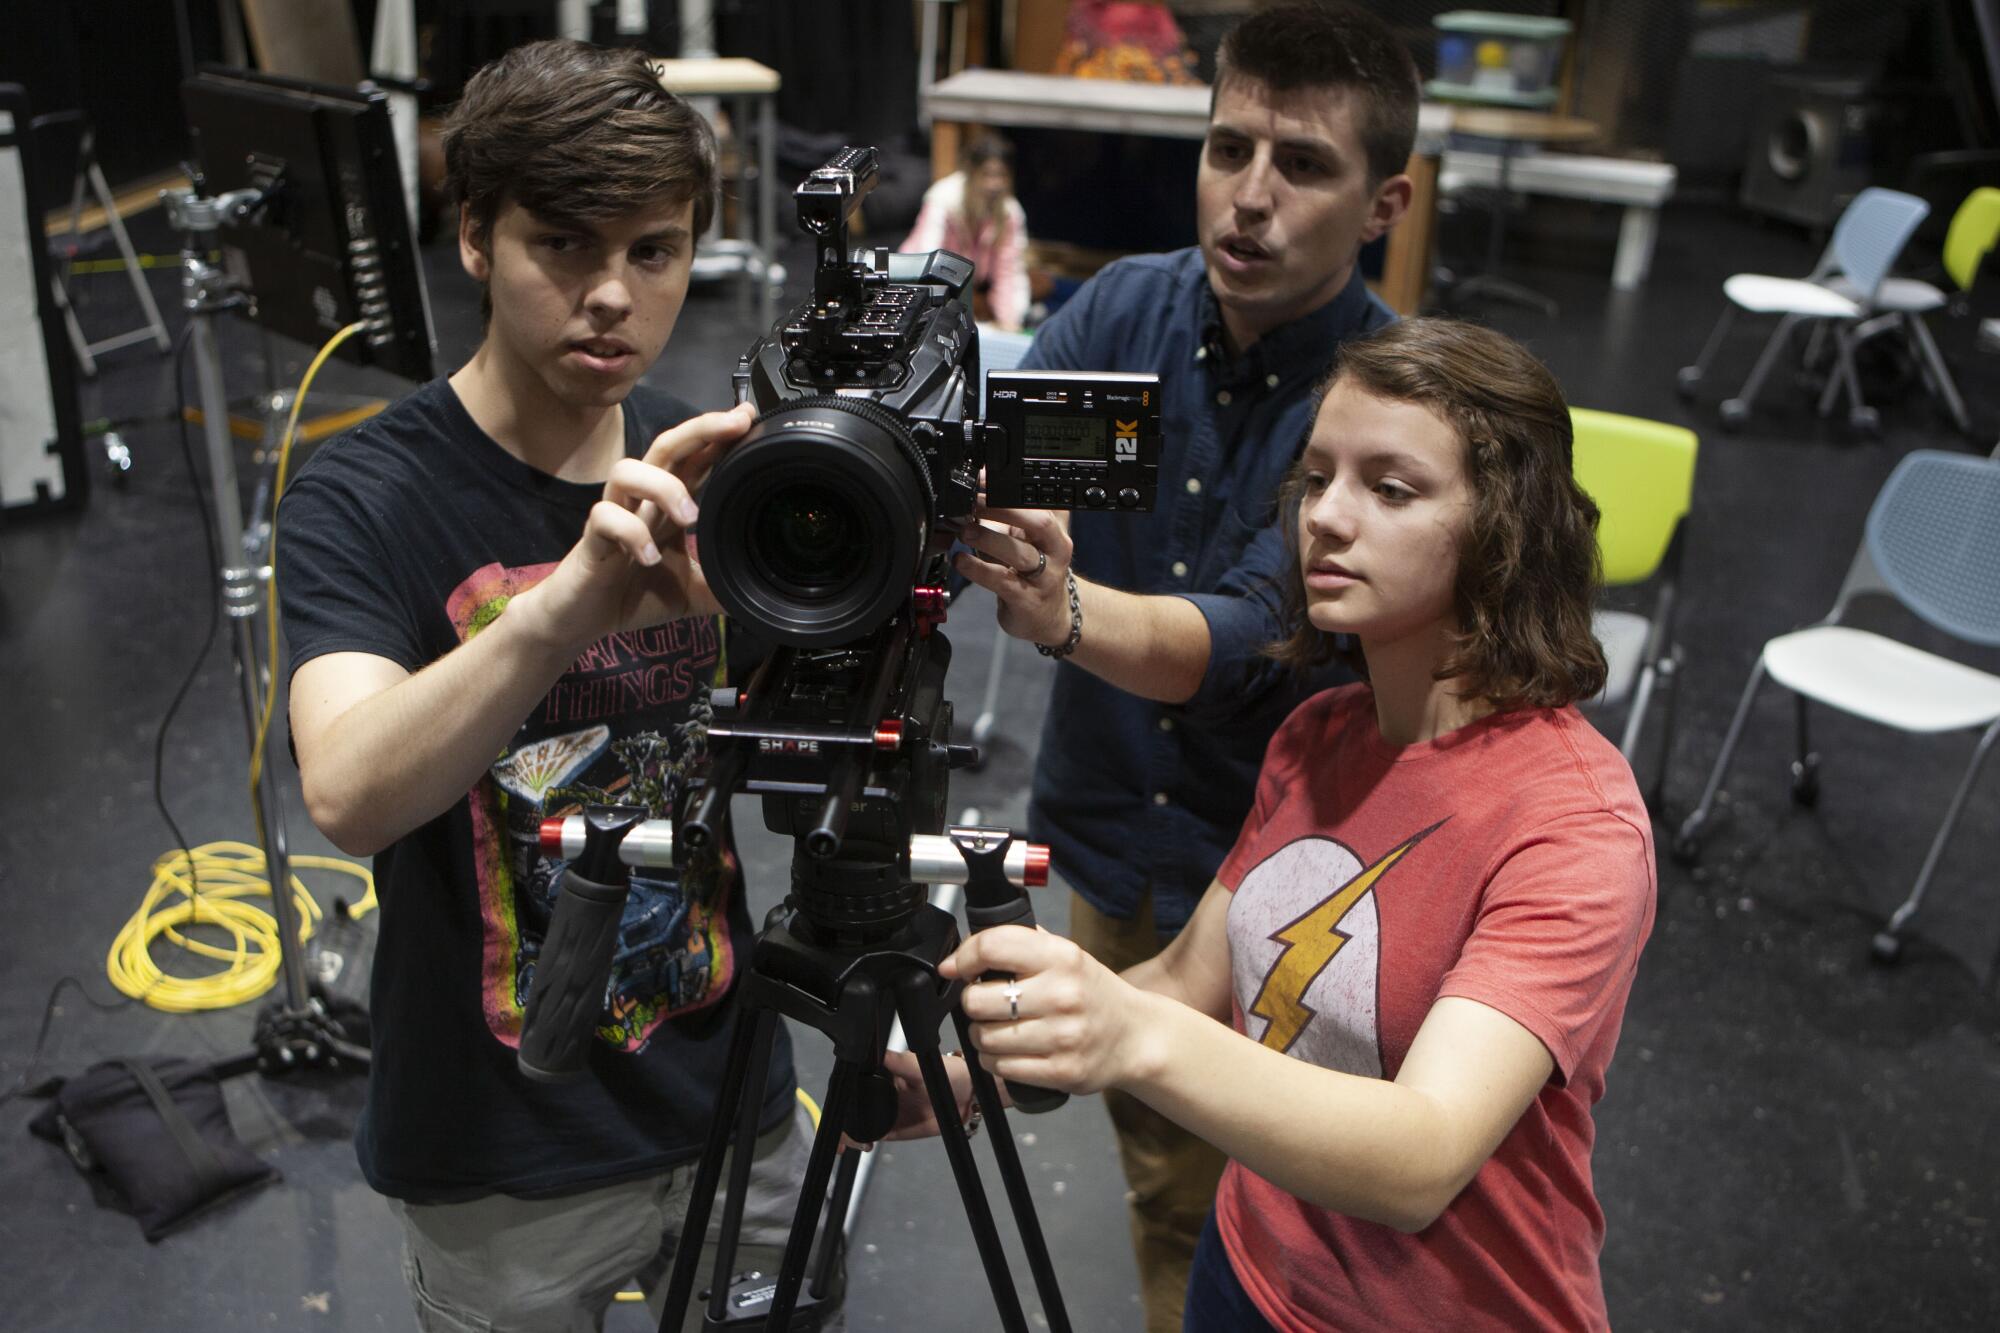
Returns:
point(1156, 646)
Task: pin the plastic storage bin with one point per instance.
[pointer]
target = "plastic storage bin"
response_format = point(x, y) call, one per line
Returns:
point(1505, 59)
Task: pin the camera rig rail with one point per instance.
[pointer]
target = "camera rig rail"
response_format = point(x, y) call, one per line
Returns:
point(932, 858)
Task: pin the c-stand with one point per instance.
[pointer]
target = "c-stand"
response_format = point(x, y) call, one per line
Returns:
point(296, 1031)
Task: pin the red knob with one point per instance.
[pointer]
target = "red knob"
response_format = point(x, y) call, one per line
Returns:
point(1035, 873)
point(552, 838)
point(889, 735)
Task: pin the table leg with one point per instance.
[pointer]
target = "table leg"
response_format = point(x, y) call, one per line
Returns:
point(1637, 231)
point(1406, 264)
point(946, 136)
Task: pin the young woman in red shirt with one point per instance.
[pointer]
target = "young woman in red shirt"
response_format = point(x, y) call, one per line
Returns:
point(1395, 1007)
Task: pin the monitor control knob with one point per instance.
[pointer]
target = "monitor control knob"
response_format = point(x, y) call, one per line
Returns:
point(1093, 495)
point(1129, 497)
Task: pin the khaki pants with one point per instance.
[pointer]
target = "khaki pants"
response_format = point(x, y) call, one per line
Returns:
point(1171, 1173)
point(506, 1265)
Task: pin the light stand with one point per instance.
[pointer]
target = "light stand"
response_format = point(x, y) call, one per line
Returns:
point(295, 1032)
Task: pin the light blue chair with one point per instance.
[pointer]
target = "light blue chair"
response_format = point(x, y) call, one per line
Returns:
point(1932, 542)
point(1867, 239)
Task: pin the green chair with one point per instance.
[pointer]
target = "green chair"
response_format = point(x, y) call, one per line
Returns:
point(1641, 474)
point(1974, 228)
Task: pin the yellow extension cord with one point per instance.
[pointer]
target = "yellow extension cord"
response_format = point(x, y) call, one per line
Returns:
point(229, 872)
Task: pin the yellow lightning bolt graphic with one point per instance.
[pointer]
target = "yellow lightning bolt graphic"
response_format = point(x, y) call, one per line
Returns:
point(1310, 944)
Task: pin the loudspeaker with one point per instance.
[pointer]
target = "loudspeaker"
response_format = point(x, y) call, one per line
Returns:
point(1812, 148)
point(41, 440)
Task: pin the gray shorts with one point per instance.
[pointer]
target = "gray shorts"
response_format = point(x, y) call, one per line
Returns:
point(507, 1265)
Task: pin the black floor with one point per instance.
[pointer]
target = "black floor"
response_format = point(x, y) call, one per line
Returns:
point(1793, 1136)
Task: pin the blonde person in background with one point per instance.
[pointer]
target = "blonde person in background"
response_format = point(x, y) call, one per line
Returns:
point(973, 212)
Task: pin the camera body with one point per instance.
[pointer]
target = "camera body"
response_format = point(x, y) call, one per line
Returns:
point(869, 448)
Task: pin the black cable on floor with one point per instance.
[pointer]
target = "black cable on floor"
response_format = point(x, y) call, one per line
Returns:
point(42, 1036)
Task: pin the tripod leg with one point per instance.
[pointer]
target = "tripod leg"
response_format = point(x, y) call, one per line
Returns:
point(1009, 1158)
point(915, 1004)
point(812, 1194)
point(753, 1033)
point(751, 1103)
point(833, 1239)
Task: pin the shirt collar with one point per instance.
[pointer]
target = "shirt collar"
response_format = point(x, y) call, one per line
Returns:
point(1304, 345)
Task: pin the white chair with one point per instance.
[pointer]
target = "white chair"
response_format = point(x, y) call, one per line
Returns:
point(1869, 236)
point(1932, 542)
point(1903, 302)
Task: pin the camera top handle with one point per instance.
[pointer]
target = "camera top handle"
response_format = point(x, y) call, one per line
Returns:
point(826, 199)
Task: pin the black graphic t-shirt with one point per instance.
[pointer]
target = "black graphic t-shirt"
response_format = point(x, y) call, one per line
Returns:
point(404, 539)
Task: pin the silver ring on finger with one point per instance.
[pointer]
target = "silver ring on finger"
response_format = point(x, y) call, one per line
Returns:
point(1012, 991)
point(1030, 575)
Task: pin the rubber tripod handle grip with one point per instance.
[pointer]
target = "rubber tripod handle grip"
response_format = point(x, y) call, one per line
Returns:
point(566, 997)
point(1027, 1097)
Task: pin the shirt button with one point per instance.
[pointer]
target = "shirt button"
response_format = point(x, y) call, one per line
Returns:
point(1271, 381)
point(1180, 569)
point(1166, 724)
point(1159, 798)
point(1194, 485)
point(1201, 354)
point(1222, 397)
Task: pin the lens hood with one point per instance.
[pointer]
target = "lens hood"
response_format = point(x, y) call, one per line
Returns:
point(813, 527)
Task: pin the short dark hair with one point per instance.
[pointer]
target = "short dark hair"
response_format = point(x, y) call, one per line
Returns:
point(1294, 46)
point(579, 132)
point(1528, 570)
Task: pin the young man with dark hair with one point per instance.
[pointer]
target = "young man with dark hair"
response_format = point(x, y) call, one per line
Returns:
point(494, 616)
point(1150, 750)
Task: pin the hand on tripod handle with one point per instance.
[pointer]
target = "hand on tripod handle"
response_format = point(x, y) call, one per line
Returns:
point(1045, 1013)
point(914, 1118)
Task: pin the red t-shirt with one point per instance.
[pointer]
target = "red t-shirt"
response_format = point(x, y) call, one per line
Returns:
point(1510, 862)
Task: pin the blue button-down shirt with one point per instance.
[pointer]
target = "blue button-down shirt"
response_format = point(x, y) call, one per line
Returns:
point(1135, 797)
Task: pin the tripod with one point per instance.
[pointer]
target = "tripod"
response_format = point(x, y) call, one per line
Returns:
point(852, 994)
point(855, 947)
point(851, 740)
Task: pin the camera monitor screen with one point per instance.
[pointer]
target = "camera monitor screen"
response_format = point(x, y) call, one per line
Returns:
point(1080, 438)
point(332, 244)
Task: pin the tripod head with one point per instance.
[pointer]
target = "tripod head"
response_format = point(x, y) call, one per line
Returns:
point(849, 748)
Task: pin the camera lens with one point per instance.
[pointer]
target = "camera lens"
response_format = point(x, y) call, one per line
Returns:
point(806, 537)
point(813, 528)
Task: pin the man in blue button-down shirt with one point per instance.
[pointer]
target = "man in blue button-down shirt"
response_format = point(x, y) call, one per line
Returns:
point(1164, 703)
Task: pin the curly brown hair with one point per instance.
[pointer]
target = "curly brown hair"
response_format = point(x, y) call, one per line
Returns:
point(1528, 570)
point(572, 131)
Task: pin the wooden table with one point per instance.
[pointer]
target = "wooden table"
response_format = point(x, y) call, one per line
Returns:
point(1052, 101)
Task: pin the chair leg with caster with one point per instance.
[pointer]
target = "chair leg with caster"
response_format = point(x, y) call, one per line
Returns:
point(1690, 377)
point(1736, 411)
point(1805, 768)
point(1687, 842)
point(1888, 945)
